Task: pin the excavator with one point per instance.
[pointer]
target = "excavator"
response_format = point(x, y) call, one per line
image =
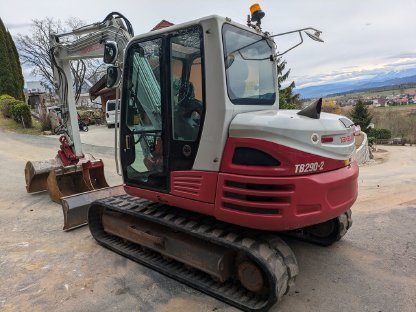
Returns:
point(213, 171)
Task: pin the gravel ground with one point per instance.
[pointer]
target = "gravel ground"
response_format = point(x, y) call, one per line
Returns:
point(43, 268)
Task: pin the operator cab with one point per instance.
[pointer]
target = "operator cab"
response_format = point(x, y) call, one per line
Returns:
point(173, 80)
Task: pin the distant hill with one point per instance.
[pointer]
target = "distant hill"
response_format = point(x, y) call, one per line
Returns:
point(383, 80)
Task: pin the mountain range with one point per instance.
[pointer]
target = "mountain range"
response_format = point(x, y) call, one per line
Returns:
point(382, 80)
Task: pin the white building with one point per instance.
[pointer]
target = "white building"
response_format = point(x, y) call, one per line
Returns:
point(35, 87)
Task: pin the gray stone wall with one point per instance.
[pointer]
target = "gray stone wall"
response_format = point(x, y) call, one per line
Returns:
point(362, 153)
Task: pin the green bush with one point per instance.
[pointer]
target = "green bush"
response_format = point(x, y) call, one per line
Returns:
point(371, 140)
point(92, 117)
point(6, 104)
point(6, 97)
point(380, 133)
point(21, 114)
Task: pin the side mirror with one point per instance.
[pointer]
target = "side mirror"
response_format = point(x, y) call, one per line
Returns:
point(113, 76)
point(110, 52)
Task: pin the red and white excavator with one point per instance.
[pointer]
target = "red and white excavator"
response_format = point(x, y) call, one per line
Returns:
point(213, 170)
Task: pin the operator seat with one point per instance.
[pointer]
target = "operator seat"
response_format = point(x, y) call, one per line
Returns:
point(184, 127)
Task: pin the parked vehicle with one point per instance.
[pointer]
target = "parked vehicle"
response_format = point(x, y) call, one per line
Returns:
point(110, 112)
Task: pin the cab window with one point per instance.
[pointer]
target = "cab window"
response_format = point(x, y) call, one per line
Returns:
point(186, 84)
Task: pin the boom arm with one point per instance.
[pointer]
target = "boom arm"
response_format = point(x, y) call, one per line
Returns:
point(89, 44)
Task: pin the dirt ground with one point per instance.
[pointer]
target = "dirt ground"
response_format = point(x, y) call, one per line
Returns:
point(43, 268)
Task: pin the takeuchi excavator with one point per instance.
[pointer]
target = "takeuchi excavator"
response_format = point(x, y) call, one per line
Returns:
point(214, 172)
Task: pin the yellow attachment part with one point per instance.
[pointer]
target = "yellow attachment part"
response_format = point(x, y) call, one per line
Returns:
point(136, 119)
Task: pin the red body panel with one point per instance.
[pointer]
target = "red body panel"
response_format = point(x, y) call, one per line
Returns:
point(287, 156)
point(295, 201)
point(198, 185)
point(263, 197)
point(172, 200)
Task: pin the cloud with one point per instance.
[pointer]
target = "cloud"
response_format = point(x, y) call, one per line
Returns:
point(405, 55)
point(17, 25)
point(361, 37)
point(353, 73)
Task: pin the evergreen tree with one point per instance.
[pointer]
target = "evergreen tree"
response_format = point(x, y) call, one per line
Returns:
point(7, 85)
point(287, 99)
point(17, 69)
point(361, 116)
point(12, 65)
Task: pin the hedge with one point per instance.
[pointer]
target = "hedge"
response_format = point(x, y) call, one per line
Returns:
point(6, 104)
point(21, 114)
point(6, 97)
point(92, 117)
point(379, 133)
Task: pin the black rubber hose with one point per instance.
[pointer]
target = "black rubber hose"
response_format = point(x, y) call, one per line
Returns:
point(117, 14)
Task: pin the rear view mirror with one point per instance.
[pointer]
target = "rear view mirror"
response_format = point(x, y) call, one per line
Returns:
point(113, 76)
point(110, 52)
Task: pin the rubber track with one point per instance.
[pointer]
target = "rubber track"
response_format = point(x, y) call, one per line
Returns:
point(344, 223)
point(269, 252)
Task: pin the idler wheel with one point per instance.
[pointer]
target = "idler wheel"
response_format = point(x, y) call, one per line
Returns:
point(324, 230)
point(250, 276)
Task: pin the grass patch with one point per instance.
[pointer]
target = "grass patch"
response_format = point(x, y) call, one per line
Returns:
point(403, 108)
point(11, 125)
point(375, 93)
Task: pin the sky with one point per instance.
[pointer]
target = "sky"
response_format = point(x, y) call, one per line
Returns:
point(362, 38)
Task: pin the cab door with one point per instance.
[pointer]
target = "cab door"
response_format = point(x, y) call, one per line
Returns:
point(142, 135)
point(186, 96)
point(162, 108)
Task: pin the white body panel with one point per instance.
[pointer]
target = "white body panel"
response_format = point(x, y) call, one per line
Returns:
point(287, 128)
point(219, 109)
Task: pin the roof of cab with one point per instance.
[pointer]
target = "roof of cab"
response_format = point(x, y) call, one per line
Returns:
point(217, 18)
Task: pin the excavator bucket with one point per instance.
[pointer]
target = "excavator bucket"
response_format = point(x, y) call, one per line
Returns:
point(60, 180)
point(75, 179)
point(65, 182)
point(75, 207)
point(93, 172)
point(36, 174)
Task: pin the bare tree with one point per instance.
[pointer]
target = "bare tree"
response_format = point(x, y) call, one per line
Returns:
point(34, 48)
point(34, 52)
